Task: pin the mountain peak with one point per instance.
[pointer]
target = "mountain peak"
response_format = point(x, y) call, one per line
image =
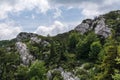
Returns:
point(98, 25)
point(101, 25)
point(25, 35)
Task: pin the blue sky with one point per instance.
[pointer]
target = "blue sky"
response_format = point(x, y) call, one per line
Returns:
point(48, 16)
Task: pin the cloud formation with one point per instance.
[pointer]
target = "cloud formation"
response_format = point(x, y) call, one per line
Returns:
point(57, 13)
point(56, 28)
point(10, 6)
point(89, 8)
point(9, 30)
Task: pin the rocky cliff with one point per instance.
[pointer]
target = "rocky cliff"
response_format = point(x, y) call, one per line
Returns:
point(24, 53)
point(98, 25)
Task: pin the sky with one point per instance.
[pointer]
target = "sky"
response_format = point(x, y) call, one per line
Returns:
point(48, 16)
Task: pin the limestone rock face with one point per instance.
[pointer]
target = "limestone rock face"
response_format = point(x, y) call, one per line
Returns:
point(35, 40)
point(39, 41)
point(24, 53)
point(84, 26)
point(66, 75)
point(102, 29)
point(98, 25)
point(24, 35)
point(69, 76)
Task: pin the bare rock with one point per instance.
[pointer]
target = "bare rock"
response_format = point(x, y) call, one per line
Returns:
point(25, 35)
point(82, 28)
point(102, 29)
point(35, 40)
point(98, 25)
point(66, 75)
point(24, 53)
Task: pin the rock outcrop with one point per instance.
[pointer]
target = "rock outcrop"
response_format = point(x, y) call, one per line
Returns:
point(35, 40)
point(24, 53)
point(84, 26)
point(65, 75)
point(25, 35)
point(101, 28)
point(98, 25)
point(39, 40)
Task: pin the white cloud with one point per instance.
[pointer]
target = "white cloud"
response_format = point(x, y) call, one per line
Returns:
point(111, 2)
point(9, 6)
point(9, 30)
point(57, 13)
point(54, 29)
point(89, 8)
point(4, 9)
point(41, 5)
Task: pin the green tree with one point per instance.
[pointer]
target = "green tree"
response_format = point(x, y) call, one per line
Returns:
point(83, 46)
point(108, 63)
point(57, 75)
point(22, 72)
point(95, 49)
point(52, 51)
point(8, 63)
point(73, 41)
point(37, 71)
point(116, 75)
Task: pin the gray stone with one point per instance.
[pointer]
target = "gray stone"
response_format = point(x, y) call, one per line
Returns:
point(98, 25)
point(45, 43)
point(82, 28)
point(118, 19)
point(25, 35)
point(66, 75)
point(102, 29)
point(24, 53)
point(35, 40)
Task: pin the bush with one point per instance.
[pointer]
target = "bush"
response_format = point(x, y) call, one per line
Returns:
point(81, 72)
point(57, 75)
point(37, 71)
point(88, 66)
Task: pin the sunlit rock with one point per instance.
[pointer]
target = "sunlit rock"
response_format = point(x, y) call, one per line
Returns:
point(24, 53)
point(64, 74)
point(102, 29)
point(35, 40)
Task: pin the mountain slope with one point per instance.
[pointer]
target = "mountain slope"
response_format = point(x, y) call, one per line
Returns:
point(89, 52)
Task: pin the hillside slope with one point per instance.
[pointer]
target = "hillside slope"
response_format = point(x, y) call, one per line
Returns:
point(89, 52)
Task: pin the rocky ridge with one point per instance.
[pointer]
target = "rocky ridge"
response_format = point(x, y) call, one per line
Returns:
point(25, 35)
point(97, 25)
